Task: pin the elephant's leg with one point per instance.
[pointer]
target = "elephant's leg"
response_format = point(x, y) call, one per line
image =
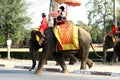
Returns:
point(83, 63)
point(104, 55)
point(89, 63)
point(57, 63)
point(113, 58)
point(117, 55)
point(84, 50)
point(59, 58)
point(42, 61)
point(73, 60)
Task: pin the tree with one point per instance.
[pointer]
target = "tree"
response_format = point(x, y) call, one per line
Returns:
point(83, 25)
point(100, 13)
point(96, 33)
point(71, 21)
point(13, 18)
point(1, 37)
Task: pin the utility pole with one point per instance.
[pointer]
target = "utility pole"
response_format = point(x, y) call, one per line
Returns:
point(53, 7)
point(114, 13)
point(104, 18)
point(49, 18)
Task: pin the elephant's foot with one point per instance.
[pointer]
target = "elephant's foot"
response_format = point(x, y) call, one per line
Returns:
point(57, 64)
point(64, 71)
point(90, 64)
point(104, 60)
point(72, 62)
point(111, 63)
point(38, 72)
point(83, 68)
point(30, 69)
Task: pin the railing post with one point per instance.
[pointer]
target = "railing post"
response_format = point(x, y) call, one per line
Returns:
point(9, 43)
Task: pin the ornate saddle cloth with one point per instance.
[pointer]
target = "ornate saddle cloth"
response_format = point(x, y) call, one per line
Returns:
point(67, 36)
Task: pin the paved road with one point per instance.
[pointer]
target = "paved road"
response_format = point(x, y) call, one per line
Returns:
point(21, 74)
point(27, 49)
point(12, 70)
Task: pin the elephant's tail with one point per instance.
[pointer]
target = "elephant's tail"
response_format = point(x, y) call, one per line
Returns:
point(96, 52)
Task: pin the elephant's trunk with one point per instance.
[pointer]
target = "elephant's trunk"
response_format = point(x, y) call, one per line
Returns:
point(33, 60)
point(33, 65)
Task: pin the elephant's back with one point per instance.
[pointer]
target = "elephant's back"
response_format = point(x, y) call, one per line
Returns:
point(84, 36)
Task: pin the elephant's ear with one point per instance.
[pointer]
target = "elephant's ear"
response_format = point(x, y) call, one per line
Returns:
point(37, 37)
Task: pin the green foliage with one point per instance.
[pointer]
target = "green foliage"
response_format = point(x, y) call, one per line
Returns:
point(71, 21)
point(96, 33)
point(107, 29)
point(13, 18)
point(83, 25)
point(20, 35)
point(94, 30)
point(1, 38)
point(100, 13)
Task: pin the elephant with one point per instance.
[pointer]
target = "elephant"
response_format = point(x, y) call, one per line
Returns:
point(49, 48)
point(116, 48)
point(110, 41)
point(34, 50)
point(107, 44)
point(116, 51)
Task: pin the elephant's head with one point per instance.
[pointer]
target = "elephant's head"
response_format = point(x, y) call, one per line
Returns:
point(108, 41)
point(107, 44)
point(36, 42)
point(38, 37)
